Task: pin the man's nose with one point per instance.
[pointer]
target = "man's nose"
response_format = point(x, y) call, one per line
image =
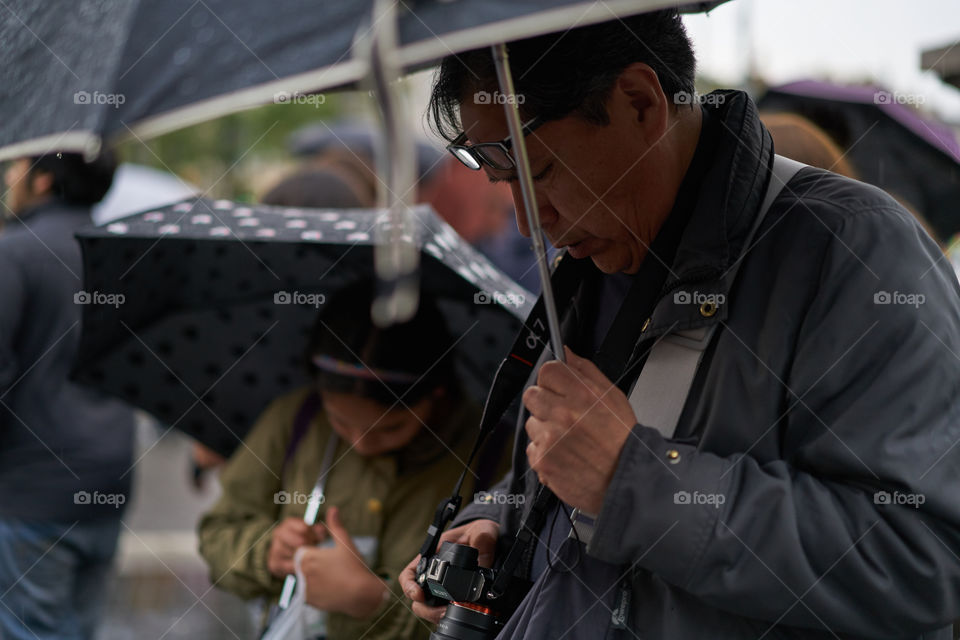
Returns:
point(548, 215)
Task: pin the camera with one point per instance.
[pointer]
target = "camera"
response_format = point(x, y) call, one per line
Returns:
point(453, 576)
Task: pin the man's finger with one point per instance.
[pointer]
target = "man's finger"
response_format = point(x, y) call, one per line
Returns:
point(432, 614)
point(587, 370)
point(557, 377)
point(408, 581)
point(540, 401)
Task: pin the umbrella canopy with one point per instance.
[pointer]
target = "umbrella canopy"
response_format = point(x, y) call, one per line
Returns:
point(889, 144)
point(99, 68)
point(199, 312)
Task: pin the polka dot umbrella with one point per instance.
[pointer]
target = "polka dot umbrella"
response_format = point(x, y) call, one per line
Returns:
point(199, 312)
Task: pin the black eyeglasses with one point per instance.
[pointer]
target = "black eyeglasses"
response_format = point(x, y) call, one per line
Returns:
point(493, 154)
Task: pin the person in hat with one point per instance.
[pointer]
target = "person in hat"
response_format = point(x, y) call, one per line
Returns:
point(389, 428)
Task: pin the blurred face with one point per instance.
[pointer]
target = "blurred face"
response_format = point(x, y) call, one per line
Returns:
point(369, 427)
point(469, 203)
point(17, 185)
point(602, 191)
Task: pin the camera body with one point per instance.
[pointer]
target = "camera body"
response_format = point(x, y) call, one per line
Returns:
point(454, 577)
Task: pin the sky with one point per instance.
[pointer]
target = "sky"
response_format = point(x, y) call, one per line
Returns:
point(840, 40)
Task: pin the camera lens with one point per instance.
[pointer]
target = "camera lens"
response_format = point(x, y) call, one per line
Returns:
point(466, 622)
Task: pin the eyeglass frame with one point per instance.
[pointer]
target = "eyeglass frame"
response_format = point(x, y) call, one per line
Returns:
point(505, 145)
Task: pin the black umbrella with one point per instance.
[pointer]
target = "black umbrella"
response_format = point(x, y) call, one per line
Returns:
point(890, 145)
point(199, 312)
point(92, 69)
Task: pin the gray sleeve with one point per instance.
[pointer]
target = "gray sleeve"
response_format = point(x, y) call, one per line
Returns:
point(478, 510)
point(857, 526)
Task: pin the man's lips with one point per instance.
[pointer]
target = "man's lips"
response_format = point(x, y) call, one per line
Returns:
point(579, 249)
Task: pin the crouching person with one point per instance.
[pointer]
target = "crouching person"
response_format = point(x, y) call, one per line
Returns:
point(387, 427)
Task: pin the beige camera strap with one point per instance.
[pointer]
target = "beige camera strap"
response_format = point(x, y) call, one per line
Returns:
point(660, 392)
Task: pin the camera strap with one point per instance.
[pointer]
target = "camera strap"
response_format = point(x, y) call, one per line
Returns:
point(512, 374)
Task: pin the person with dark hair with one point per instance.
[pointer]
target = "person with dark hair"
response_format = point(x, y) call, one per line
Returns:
point(388, 426)
point(753, 432)
point(65, 450)
point(339, 182)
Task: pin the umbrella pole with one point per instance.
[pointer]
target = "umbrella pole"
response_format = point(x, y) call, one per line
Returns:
point(505, 77)
point(396, 255)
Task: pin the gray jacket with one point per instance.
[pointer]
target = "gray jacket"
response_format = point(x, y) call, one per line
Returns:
point(818, 446)
point(65, 450)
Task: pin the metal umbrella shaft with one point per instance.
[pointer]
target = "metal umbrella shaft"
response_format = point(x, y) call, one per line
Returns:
point(505, 77)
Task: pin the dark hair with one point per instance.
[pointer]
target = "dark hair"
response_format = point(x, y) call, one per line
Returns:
point(417, 348)
point(76, 181)
point(320, 187)
point(570, 72)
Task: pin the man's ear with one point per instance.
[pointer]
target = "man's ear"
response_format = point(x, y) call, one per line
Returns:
point(41, 183)
point(639, 87)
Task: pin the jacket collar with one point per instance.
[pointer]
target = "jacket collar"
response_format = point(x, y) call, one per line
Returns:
point(729, 199)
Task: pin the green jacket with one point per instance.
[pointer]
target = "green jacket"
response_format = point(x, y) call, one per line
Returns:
point(391, 497)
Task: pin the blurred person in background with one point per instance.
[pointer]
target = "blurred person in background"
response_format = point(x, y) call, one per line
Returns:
point(799, 139)
point(481, 212)
point(387, 465)
point(65, 451)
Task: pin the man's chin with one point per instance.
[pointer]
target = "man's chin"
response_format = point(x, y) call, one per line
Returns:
point(610, 263)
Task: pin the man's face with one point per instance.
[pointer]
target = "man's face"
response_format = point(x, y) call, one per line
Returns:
point(17, 182)
point(601, 190)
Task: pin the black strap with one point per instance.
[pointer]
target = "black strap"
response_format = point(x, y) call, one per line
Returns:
point(301, 423)
point(510, 378)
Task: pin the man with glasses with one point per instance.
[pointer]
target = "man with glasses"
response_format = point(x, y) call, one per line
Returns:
point(809, 487)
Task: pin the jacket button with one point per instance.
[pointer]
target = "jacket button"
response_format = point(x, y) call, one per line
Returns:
point(646, 325)
point(673, 456)
point(708, 309)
